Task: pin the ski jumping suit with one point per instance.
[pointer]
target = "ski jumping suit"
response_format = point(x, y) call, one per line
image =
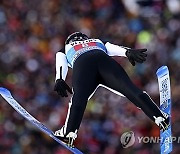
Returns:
point(92, 65)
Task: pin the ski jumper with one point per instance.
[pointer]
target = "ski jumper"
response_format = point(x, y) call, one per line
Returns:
point(92, 65)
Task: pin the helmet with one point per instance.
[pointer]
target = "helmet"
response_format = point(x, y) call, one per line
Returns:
point(76, 36)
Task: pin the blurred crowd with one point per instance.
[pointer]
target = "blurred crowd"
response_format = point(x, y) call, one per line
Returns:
point(31, 32)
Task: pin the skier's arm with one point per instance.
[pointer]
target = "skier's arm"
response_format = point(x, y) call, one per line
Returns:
point(61, 65)
point(61, 72)
point(133, 55)
point(115, 50)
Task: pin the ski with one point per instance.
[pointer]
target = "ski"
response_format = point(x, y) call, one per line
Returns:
point(9, 98)
point(165, 106)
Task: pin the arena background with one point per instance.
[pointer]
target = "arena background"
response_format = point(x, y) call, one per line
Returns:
point(31, 32)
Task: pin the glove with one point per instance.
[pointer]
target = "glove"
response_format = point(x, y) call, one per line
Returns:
point(61, 87)
point(136, 55)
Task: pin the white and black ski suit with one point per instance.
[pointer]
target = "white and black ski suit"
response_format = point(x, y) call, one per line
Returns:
point(92, 66)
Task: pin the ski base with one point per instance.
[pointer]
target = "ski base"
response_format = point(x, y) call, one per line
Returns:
point(8, 97)
point(165, 106)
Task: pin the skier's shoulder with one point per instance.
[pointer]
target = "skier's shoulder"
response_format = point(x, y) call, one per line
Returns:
point(100, 40)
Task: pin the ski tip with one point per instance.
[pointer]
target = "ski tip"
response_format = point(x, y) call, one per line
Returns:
point(162, 70)
point(4, 91)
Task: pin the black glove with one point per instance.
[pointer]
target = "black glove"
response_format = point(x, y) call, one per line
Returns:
point(61, 87)
point(136, 55)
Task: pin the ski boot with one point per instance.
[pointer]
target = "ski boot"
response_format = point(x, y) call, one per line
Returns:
point(163, 123)
point(66, 139)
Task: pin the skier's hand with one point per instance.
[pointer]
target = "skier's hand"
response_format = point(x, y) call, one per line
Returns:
point(61, 88)
point(136, 55)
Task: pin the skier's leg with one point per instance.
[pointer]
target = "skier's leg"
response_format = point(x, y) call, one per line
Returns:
point(84, 83)
point(114, 76)
point(75, 113)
